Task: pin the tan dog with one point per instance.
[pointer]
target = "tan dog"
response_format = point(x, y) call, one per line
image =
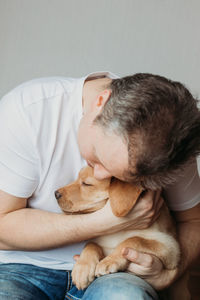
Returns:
point(103, 255)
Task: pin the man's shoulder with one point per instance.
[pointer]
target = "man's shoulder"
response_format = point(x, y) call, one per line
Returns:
point(36, 90)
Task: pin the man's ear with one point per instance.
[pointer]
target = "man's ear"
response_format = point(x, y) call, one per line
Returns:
point(102, 98)
point(123, 196)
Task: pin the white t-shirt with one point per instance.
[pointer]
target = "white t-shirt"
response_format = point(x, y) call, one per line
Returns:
point(39, 153)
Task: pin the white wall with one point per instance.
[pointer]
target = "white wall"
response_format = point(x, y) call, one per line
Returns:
point(74, 37)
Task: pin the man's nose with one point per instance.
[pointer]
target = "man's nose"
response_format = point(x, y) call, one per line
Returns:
point(101, 173)
point(57, 195)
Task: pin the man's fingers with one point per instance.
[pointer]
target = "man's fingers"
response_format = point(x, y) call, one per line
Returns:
point(143, 259)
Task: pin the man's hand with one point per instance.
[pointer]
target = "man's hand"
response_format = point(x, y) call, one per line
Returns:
point(150, 268)
point(143, 214)
point(147, 209)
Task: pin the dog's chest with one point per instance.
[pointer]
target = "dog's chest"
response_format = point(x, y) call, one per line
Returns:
point(111, 241)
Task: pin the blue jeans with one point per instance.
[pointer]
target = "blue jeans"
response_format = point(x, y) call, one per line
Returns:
point(28, 282)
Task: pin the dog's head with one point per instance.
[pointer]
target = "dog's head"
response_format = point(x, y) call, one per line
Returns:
point(88, 194)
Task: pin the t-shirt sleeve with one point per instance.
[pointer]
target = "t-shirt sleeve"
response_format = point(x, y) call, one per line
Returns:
point(18, 156)
point(185, 193)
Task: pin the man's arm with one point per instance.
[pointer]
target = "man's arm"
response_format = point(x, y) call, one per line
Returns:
point(188, 227)
point(23, 228)
point(150, 268)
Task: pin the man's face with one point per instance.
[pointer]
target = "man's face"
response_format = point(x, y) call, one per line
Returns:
point(106, 152)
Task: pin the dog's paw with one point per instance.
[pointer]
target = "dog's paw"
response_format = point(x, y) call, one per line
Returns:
point(110, 265)
point(83, 273)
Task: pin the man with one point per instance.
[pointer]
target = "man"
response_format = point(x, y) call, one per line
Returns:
point(141, 128)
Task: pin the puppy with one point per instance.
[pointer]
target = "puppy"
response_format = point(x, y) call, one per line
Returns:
point(103, 255)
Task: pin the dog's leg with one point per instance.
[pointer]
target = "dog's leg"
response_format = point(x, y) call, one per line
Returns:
point(83, 272)
point(116, 262)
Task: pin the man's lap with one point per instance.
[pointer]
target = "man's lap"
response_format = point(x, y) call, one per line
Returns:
point(28, 282)
point(31, 282)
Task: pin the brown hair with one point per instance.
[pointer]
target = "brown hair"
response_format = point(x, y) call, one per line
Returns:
point(160, 121)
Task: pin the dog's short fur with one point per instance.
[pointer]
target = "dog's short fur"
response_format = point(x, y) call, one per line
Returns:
point(103, 255)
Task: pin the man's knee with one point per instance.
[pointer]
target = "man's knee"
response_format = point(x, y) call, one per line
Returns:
point(119, 286)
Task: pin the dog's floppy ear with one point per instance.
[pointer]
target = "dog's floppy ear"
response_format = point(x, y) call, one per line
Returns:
point(123, 197)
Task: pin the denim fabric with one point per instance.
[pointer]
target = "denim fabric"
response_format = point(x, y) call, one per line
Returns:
point(120, 286)
point(28, 282)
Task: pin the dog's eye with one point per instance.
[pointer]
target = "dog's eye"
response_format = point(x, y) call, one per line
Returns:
point(86, 184)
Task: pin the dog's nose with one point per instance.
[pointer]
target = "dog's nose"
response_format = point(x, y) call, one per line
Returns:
point(57, 195)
